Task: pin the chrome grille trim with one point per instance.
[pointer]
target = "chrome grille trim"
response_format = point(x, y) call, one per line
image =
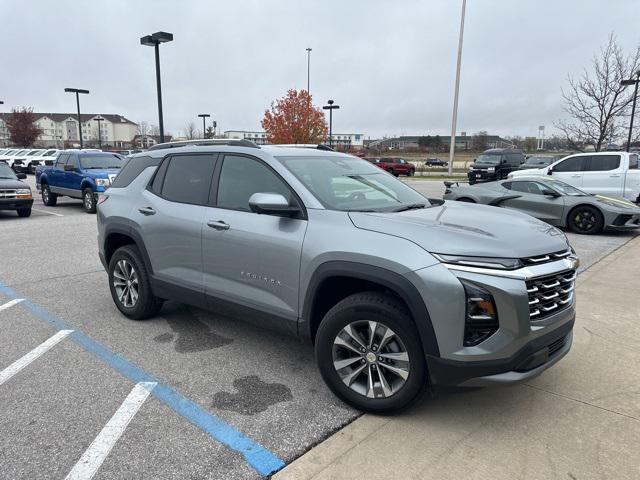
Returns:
point(549, 257)
point(550, 294)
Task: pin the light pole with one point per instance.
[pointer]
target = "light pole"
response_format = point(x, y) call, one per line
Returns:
point(452, 146)
point(78, 91)
point(625, 83)
point(99, 119)
point(203, 115)
point(331, 107)
point(1, 102)
point(308, 68)
point(154, 40)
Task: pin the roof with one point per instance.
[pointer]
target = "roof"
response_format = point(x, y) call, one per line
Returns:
point(84, 117)
point(155, 138)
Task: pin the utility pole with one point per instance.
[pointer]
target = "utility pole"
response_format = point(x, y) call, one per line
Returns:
point(452, 147)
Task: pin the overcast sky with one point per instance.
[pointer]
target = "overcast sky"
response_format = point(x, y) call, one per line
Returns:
point(389, 65)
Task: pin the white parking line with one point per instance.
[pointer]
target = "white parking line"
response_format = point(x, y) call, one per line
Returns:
point(99, 449)
point(50, 213)
point(10, 304)
point(19, 364)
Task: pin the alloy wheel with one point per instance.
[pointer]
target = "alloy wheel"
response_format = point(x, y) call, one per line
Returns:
point(584, 220)
point(126, 283)
point(88, 201)
point(371, 359)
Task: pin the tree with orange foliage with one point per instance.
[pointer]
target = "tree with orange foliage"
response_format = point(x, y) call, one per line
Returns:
point(294, 119)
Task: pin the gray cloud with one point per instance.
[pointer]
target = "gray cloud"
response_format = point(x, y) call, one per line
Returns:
point(390, 65)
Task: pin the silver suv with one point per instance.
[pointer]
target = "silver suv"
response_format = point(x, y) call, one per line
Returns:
point(396, 291)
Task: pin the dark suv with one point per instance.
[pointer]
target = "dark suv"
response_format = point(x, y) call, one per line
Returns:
point(495, 164)
point(397, 166)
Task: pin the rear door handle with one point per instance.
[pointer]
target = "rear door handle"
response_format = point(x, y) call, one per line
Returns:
point(218, 225)
point(576, 176)
point(147, 211)
point(614, 176)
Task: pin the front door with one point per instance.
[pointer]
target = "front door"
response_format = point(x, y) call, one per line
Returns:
point(571, 170)
point(532, 201)
point(252, 259)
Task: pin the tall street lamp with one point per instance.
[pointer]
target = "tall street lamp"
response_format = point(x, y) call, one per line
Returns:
point(203, 115)
point(308, 67)
point(632, 81)
point(99, 119)
point(154, 40)
point(331, 107)
point(452, 146)
point(78, 91)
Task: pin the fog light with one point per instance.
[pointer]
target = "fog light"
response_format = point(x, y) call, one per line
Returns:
point(481, 315)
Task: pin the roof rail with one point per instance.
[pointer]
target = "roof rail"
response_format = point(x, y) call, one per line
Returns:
point(207, 142)
point(316, 146)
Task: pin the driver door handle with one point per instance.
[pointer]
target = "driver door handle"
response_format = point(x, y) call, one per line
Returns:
point(147, 211)
point(614, 176)
point(218, 225)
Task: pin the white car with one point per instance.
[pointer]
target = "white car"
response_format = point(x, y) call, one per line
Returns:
point(41, 158)
point(11, 155)
point(21, 162)
point(605, 173)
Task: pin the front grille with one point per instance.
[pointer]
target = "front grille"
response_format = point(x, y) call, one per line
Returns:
point(18, 162)
point(550, 294)
point(549, 257)
point(557, 345)
point(7, 194)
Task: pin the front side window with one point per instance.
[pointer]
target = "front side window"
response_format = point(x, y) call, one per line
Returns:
point(527, 187)
point(188, 179)
point(603, 163)
point(351, 184)
point(572, 164)
point(241, 177)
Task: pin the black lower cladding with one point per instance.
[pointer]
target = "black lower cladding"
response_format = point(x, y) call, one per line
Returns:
point(532, 355)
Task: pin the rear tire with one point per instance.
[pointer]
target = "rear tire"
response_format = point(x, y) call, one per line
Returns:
point(24, 212)
point(49, 198)
point(585, 220)
point(412, 173)
point(130, 285)
point(88, 201)
point(349, 371)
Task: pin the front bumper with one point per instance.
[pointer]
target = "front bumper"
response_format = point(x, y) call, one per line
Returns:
point(481, 175)
point(15, 203)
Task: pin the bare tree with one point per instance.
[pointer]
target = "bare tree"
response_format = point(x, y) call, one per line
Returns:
point(594, 100)
point(154, 130)
point(143, 128)
point(190, 131)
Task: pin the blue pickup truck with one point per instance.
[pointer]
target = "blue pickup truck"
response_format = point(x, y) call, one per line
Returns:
point(78, 174)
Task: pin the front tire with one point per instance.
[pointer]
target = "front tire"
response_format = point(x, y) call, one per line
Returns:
point(88, 201)
point(130, 285)
point(49, 198)
point(24, 212)
point(369, 353)
point(586, 220)
point(412, 173)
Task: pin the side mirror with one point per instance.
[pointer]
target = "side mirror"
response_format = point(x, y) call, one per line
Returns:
point(69, 168)
point(48, 162)
point(550, 171)
point(550, 193)
point(21, 176)
point(271, 203)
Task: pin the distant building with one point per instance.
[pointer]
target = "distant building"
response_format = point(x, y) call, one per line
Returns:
point(61, 129)
point(408, 142)
point(340, 140)
point(147, 141)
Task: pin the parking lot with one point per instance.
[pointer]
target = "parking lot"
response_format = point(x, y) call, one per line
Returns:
point(195, 395)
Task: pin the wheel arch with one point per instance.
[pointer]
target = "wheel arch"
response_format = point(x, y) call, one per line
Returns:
point(334, 280)
point(573, 207)
point(118, 236)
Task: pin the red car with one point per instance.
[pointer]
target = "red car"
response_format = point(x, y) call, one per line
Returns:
point(396, 166)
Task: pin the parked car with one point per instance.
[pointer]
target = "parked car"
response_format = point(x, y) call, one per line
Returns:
point(126, 153)
point(41, 159)
point(395, 291)
point(6, 155)
point(495, 164)
point(552, 201)
point(539, 161)
point(396, 166)
point(78, 174)
point(10, 157)
point(14, 193)
point(435, 162)
point(606, 173)
point(22, 163)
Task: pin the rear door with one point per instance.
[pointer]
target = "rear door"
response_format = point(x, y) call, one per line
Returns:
point(170, 214)
point(252, 259)
point(571, 169)
point(632, 179)
point(533, 202)
point(604, 174)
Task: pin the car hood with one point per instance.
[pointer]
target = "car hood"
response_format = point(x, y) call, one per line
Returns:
point(617, 203)
point(12, 184)
point(103, 173)
point(458, 228)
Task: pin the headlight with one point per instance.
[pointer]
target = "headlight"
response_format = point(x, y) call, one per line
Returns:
point(470, 167)
point(491, 169)
point(23, 193)
point(103, 182)
point(480, 262)
point(481, 319)
point(510, 176)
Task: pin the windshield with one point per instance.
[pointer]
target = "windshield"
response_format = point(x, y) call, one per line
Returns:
point(488, 159)
point(352, 184)
point(567, 189)
point(34, 152)
point(49, 153)
point(539, 161)
point(6, 172)
point(101, 161)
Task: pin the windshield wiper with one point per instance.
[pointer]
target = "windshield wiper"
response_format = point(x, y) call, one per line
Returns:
point(412, 206)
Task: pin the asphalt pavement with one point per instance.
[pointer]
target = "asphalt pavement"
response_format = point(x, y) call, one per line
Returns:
point(189, 394)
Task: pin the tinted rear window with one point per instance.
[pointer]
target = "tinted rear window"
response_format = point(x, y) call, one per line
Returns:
point(602, 163)
point(188, 179)
point(132, 168)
